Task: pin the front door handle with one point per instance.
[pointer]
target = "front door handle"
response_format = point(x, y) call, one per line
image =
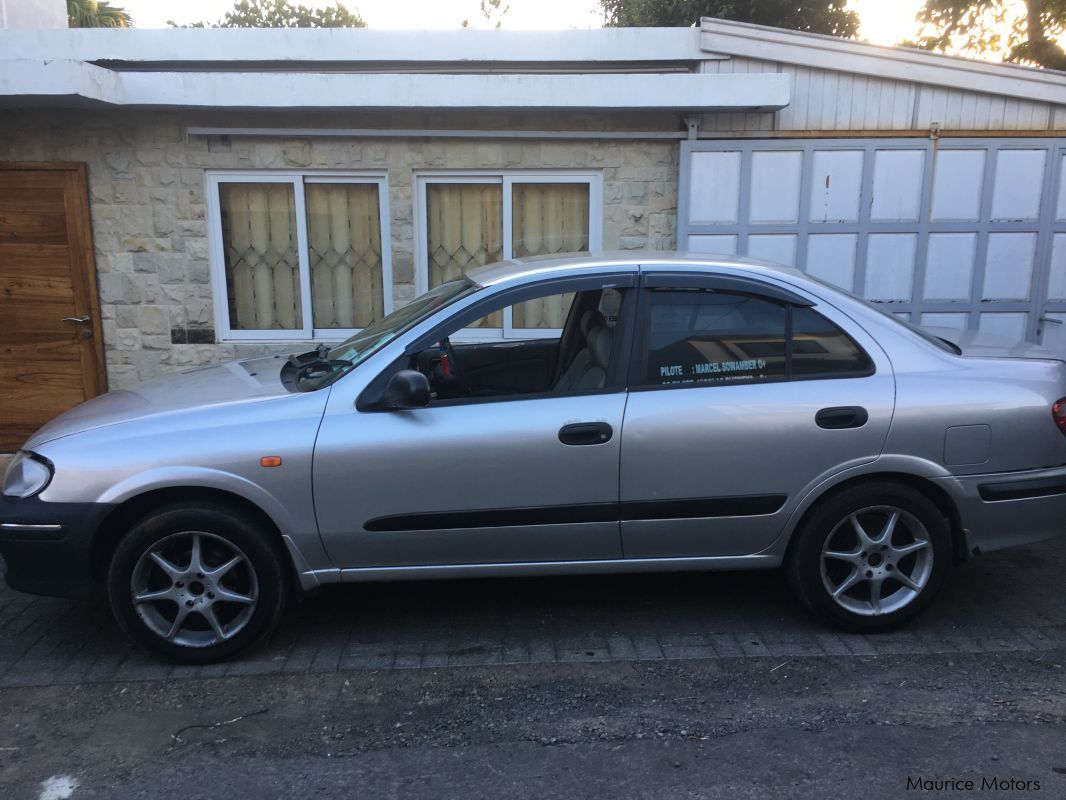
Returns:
point(586, 433)
point(79, 320)
point(842, 417)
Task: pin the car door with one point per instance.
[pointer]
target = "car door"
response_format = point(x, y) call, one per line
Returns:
point(743, 396)
point(484, 480)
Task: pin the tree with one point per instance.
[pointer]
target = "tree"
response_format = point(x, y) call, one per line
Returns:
point(814, 16)
point(280, 14)
point(96, 14)
point(1024, 32)
point(491, 10)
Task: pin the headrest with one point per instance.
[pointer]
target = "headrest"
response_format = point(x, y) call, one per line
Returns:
point(600, 340)
point(590, 320)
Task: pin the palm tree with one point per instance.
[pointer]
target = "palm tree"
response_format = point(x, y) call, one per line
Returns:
point(96, 14)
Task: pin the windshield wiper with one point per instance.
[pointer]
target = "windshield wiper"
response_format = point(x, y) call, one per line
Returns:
point(315, 362)
point(317, 356)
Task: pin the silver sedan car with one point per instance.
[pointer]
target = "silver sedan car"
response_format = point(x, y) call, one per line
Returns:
point(575, 414)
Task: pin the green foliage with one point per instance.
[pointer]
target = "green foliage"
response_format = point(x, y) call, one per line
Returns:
point(96, 14)
point(815, 16)
point(1025, 33)
point(280, 14)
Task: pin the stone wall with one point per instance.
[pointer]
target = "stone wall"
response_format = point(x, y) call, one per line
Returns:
point(146, 184)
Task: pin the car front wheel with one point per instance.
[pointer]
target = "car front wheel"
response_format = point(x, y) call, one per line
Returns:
point(197, 584)
point(871, 557)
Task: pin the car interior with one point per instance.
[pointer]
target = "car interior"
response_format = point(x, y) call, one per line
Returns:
point(577, 359)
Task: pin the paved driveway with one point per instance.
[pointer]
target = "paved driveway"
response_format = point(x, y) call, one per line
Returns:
point(1003, 602)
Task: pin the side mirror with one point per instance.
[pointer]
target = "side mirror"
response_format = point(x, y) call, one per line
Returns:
point(408, 388)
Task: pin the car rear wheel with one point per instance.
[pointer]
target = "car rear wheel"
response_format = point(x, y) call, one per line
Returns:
point(871, 557)
point(197, 584)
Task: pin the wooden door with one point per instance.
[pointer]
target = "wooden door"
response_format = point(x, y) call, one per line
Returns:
point(51, 353)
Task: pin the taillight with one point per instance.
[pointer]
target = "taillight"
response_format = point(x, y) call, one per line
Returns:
point(1058, 411)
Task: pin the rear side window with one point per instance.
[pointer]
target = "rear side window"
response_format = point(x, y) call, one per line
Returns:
point(706, 337)
point(697, 336)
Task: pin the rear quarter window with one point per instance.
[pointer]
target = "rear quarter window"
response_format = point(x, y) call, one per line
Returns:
point(820, 348)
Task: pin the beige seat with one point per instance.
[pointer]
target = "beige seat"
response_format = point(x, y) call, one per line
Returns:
point(588, 370)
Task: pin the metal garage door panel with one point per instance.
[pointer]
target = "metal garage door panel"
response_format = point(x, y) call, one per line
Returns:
point(949, 266)
point(831, 258)
point(775, 186)
point(898, 185)
point(960, 232)
point(957, 184)
point(836, 186)
point(714, 197)
point(1018, 185)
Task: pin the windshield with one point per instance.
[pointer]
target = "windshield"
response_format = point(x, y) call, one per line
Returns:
point(378, 334)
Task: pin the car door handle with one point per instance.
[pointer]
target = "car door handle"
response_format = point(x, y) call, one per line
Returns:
point(586, 433)
point(842, 417)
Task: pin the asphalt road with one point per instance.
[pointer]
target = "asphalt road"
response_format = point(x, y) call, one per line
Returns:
point(643, 686)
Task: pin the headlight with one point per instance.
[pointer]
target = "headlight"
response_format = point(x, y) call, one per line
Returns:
point(27, 475)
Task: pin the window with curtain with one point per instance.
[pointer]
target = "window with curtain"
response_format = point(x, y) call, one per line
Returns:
point(299, 257)
point(262, 265)
point(464, 228)
point(471, 221)
point(548, 218)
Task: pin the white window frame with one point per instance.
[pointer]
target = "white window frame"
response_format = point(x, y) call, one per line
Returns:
point(506, 178)
point(298, 180)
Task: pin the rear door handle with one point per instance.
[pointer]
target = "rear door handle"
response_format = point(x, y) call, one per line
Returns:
point(842, 417)
point(586, 433)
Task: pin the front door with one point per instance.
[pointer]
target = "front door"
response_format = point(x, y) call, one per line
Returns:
point(50, 348)
point(739, 405)
point(485, 474)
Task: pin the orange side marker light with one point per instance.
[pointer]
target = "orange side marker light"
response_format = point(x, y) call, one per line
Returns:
point(270, 461)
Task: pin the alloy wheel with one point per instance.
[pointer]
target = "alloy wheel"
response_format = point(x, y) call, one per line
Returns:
point(194, 589)
point(876, 560)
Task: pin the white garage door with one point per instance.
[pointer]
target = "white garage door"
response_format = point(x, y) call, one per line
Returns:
point(969, 233)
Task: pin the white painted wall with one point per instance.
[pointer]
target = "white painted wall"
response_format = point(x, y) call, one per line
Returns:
point(33, 14)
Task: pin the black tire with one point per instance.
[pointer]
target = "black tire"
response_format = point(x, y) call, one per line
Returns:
point(262, 574)
point(804, 563)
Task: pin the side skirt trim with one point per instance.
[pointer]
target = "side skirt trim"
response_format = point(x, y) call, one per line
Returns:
point(607, 566)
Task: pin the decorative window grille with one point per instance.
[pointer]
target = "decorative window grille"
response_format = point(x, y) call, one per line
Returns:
point(298, 256)
point(475, 219)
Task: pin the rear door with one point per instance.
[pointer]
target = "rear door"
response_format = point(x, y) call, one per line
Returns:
point(50, 349)
point(740, 402)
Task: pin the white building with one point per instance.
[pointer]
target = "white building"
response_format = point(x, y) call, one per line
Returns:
point(205, 194)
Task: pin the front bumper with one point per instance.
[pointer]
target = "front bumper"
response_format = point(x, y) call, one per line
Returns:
point(47, 546)
point(1010, 508)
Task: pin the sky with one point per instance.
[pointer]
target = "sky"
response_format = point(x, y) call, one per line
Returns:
point(883, 21)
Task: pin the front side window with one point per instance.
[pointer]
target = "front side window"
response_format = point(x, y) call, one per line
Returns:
point(470, 221)
point(298, 256)
point(698, 336)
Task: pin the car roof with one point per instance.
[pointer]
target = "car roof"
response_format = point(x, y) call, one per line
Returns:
point(558, 265)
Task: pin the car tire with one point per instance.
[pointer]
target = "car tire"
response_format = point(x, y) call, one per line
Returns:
point(845, 570)
point(197, 584)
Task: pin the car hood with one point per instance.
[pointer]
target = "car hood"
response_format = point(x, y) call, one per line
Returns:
point(201, 387)
point(986, 345)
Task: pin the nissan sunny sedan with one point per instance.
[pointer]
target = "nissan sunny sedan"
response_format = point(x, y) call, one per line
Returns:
point(636, 413)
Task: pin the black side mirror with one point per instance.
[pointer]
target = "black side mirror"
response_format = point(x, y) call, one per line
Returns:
point(408, 388)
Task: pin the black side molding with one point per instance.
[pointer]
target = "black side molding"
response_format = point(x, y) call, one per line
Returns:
point(1022, 490)
point(747, 506)
point(497, 518)
point(696, 508)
